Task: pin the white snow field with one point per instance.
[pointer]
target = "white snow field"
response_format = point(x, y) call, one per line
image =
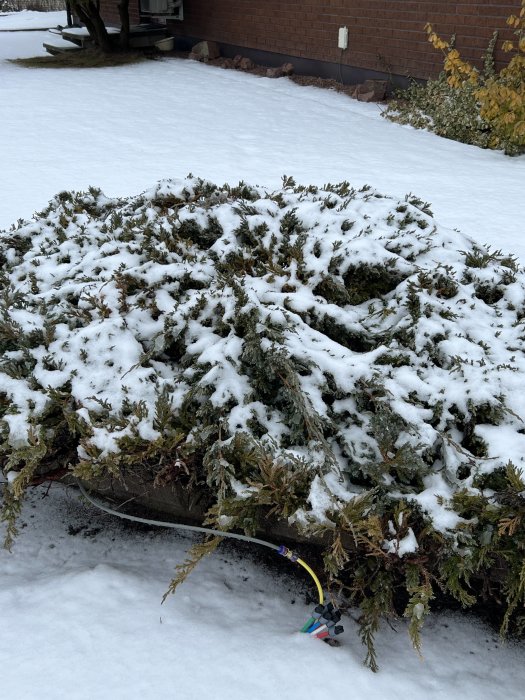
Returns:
point(122, 129)
point(82, 619)
point(80, 596)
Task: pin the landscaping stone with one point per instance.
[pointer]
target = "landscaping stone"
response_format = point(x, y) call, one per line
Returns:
point(205, 51)
point(366, 96)
point(223, 62)
point(274, 73)
point(280, 71)
point(370, 91)
point(246, 63)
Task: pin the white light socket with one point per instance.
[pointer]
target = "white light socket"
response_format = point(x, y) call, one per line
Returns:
point(342, 40)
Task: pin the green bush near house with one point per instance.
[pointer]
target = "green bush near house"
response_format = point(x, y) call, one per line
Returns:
point(484, 108)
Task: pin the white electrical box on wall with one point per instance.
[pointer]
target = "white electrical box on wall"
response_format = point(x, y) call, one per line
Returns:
point(342, 41)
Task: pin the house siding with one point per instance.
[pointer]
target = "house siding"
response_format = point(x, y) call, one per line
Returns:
point(109, 12)
point(387, 37)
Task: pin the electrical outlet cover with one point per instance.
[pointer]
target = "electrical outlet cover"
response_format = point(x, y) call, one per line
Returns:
point(342, 41)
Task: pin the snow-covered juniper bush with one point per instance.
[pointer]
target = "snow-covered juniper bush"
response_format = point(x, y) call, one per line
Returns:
point(325, 355)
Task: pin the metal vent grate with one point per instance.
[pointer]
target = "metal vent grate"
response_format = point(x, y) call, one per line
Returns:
point(167, 8)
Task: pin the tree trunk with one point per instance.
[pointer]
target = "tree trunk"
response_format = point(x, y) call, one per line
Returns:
point(123, 11)
point(84, 18)
point(89, 15)
point(69, 14)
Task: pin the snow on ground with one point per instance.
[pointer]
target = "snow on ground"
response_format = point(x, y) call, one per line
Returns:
point(124, 128)
point(82, 619)
point(31, 20)
point(81, 614)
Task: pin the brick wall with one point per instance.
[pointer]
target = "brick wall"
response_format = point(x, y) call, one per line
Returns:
point(384, 35)
point(109, 11)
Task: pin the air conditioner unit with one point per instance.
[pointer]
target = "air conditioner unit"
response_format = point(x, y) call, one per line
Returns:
point(168, 8)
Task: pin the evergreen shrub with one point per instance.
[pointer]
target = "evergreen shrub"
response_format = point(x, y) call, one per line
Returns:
point(329, 356)
point(484, 107)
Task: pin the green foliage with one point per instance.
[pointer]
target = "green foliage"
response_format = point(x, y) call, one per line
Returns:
point(419, 588)
point(195, 555)
point(484, 108)
point(11, 508)
point(307, 355)
point(441, 108)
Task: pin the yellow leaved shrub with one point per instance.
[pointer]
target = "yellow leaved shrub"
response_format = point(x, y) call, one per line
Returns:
point(501, 95)
point(481, 107)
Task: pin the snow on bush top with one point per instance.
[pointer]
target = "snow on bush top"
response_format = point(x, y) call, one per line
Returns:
point(341, 332)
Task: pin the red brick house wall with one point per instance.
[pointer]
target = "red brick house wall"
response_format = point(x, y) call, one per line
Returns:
point(384, 35)
point(109, 12)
